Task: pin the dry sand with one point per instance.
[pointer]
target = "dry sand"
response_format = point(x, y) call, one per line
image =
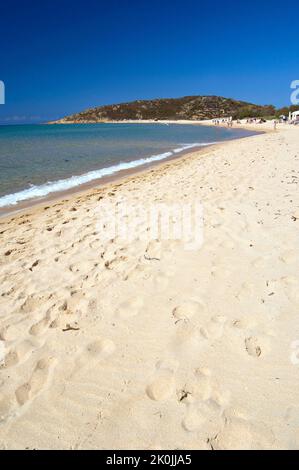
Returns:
point(145, 344)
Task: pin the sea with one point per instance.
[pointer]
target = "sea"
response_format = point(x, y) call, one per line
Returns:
point(40, 160)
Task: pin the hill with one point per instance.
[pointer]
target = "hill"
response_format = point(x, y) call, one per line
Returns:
point(187, 107)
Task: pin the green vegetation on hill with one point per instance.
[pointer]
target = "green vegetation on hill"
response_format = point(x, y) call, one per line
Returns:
point(286, 110)
point(188, 107)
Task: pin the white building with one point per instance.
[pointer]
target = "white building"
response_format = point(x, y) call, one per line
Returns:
point(294, 116)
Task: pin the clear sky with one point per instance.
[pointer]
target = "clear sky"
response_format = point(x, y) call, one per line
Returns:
point(62, 56)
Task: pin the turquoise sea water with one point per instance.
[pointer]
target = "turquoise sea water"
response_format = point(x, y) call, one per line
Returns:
point(36, 160)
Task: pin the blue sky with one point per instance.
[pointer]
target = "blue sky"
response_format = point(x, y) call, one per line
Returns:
point(59, 57)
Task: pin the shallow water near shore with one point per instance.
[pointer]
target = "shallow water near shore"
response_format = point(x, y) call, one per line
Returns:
point(37, 160)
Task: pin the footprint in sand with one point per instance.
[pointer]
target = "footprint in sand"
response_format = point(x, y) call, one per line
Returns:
point(201, 416)
point(37, 382)
point(190, 340)
point(187, 310)
point(18, 354)
point(199, 389)
point(257, 346)
point(32, 303)
point(245, 323)
point(204, 401)
point(202, 388)
point(153, 251)
point(130, 308)
point(11, 332)
point(77, 303)
point(82, 267)
point(195, 418)
point(214, 328)
point(100, 348)
point(42, 325)
point(162, 387)
point(236, 435)
point(239, 433)
point(257, 341)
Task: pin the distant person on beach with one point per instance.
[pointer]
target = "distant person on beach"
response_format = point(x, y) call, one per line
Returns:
point(275, 125)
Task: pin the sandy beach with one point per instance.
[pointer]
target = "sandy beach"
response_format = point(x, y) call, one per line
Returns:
point(137, 344)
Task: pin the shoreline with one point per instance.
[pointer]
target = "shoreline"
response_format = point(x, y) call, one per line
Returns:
point(206, 122)
point(100, 183)
point(11, 210)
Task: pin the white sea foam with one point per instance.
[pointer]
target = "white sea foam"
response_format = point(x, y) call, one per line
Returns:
point(69, 183)
point(190, 146)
